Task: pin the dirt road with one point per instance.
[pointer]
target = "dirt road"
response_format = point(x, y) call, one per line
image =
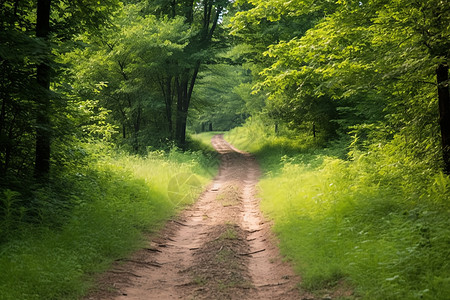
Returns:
point(220, 248)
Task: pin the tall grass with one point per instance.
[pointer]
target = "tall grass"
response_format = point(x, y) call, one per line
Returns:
point(378, 221)
point(112, 201)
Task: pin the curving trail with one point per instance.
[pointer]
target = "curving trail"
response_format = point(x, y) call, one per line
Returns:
point(219, 248)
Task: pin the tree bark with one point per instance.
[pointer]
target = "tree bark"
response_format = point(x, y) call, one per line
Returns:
point(42, 160)
point(4, 143)
point(166, 89)
point(181, 115)
point(137, 127)
point(185, 87)
point(444, 112)
point(169, 101)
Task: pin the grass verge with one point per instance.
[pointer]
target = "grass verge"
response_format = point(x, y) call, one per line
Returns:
point(378, 222)
point(108, 206)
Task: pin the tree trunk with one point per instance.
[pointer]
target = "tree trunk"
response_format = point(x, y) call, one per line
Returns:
point(9, 145)
point(169, 106)
point(166, 88)
point(444, 112)
point(181, 129)
point(42, 161)
point(137, 127)
point(3, 140)
point(185, 87)
point(181, 116)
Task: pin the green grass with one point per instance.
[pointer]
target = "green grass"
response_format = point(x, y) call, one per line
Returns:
point(379, 222)
point(112, 202)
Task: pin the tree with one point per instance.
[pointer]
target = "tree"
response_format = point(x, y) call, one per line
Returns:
point(362, 52)
point(135, 65)
point(261, 25)
point(203, 18)
point(42, 161)
point(19, 54)
point(444, 111)
point(428, 21)
point(90, 16)
point(33, 34)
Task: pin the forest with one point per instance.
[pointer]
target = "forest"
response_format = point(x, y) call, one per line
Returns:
point(345, 104)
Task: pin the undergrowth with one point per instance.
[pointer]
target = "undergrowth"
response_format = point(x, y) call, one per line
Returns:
point(88, 217)
point(377, 220)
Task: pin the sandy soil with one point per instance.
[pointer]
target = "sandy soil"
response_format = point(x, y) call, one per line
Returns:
point(219, 248)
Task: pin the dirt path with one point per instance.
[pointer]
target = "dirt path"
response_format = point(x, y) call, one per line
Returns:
point(220, 248)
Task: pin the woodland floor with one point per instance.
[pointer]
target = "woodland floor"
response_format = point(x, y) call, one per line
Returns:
point(219, 248)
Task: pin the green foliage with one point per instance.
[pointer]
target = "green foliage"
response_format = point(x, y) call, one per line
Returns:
point(259, 24)
point(356, 64)
point(217, 99)
point(20, 94)
point(103, 207)
point(379, 221)
point(355, 77)
point(11, 212)
point(130, 62)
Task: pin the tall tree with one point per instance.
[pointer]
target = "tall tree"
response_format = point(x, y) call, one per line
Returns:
point(444, 111)
point(78, 16)
point(204, 15)
point(19, 55)
point(42, 161)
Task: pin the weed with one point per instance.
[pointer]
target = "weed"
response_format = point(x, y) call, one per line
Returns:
point(229, 234)
point(229, 196)
point(199, 280)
